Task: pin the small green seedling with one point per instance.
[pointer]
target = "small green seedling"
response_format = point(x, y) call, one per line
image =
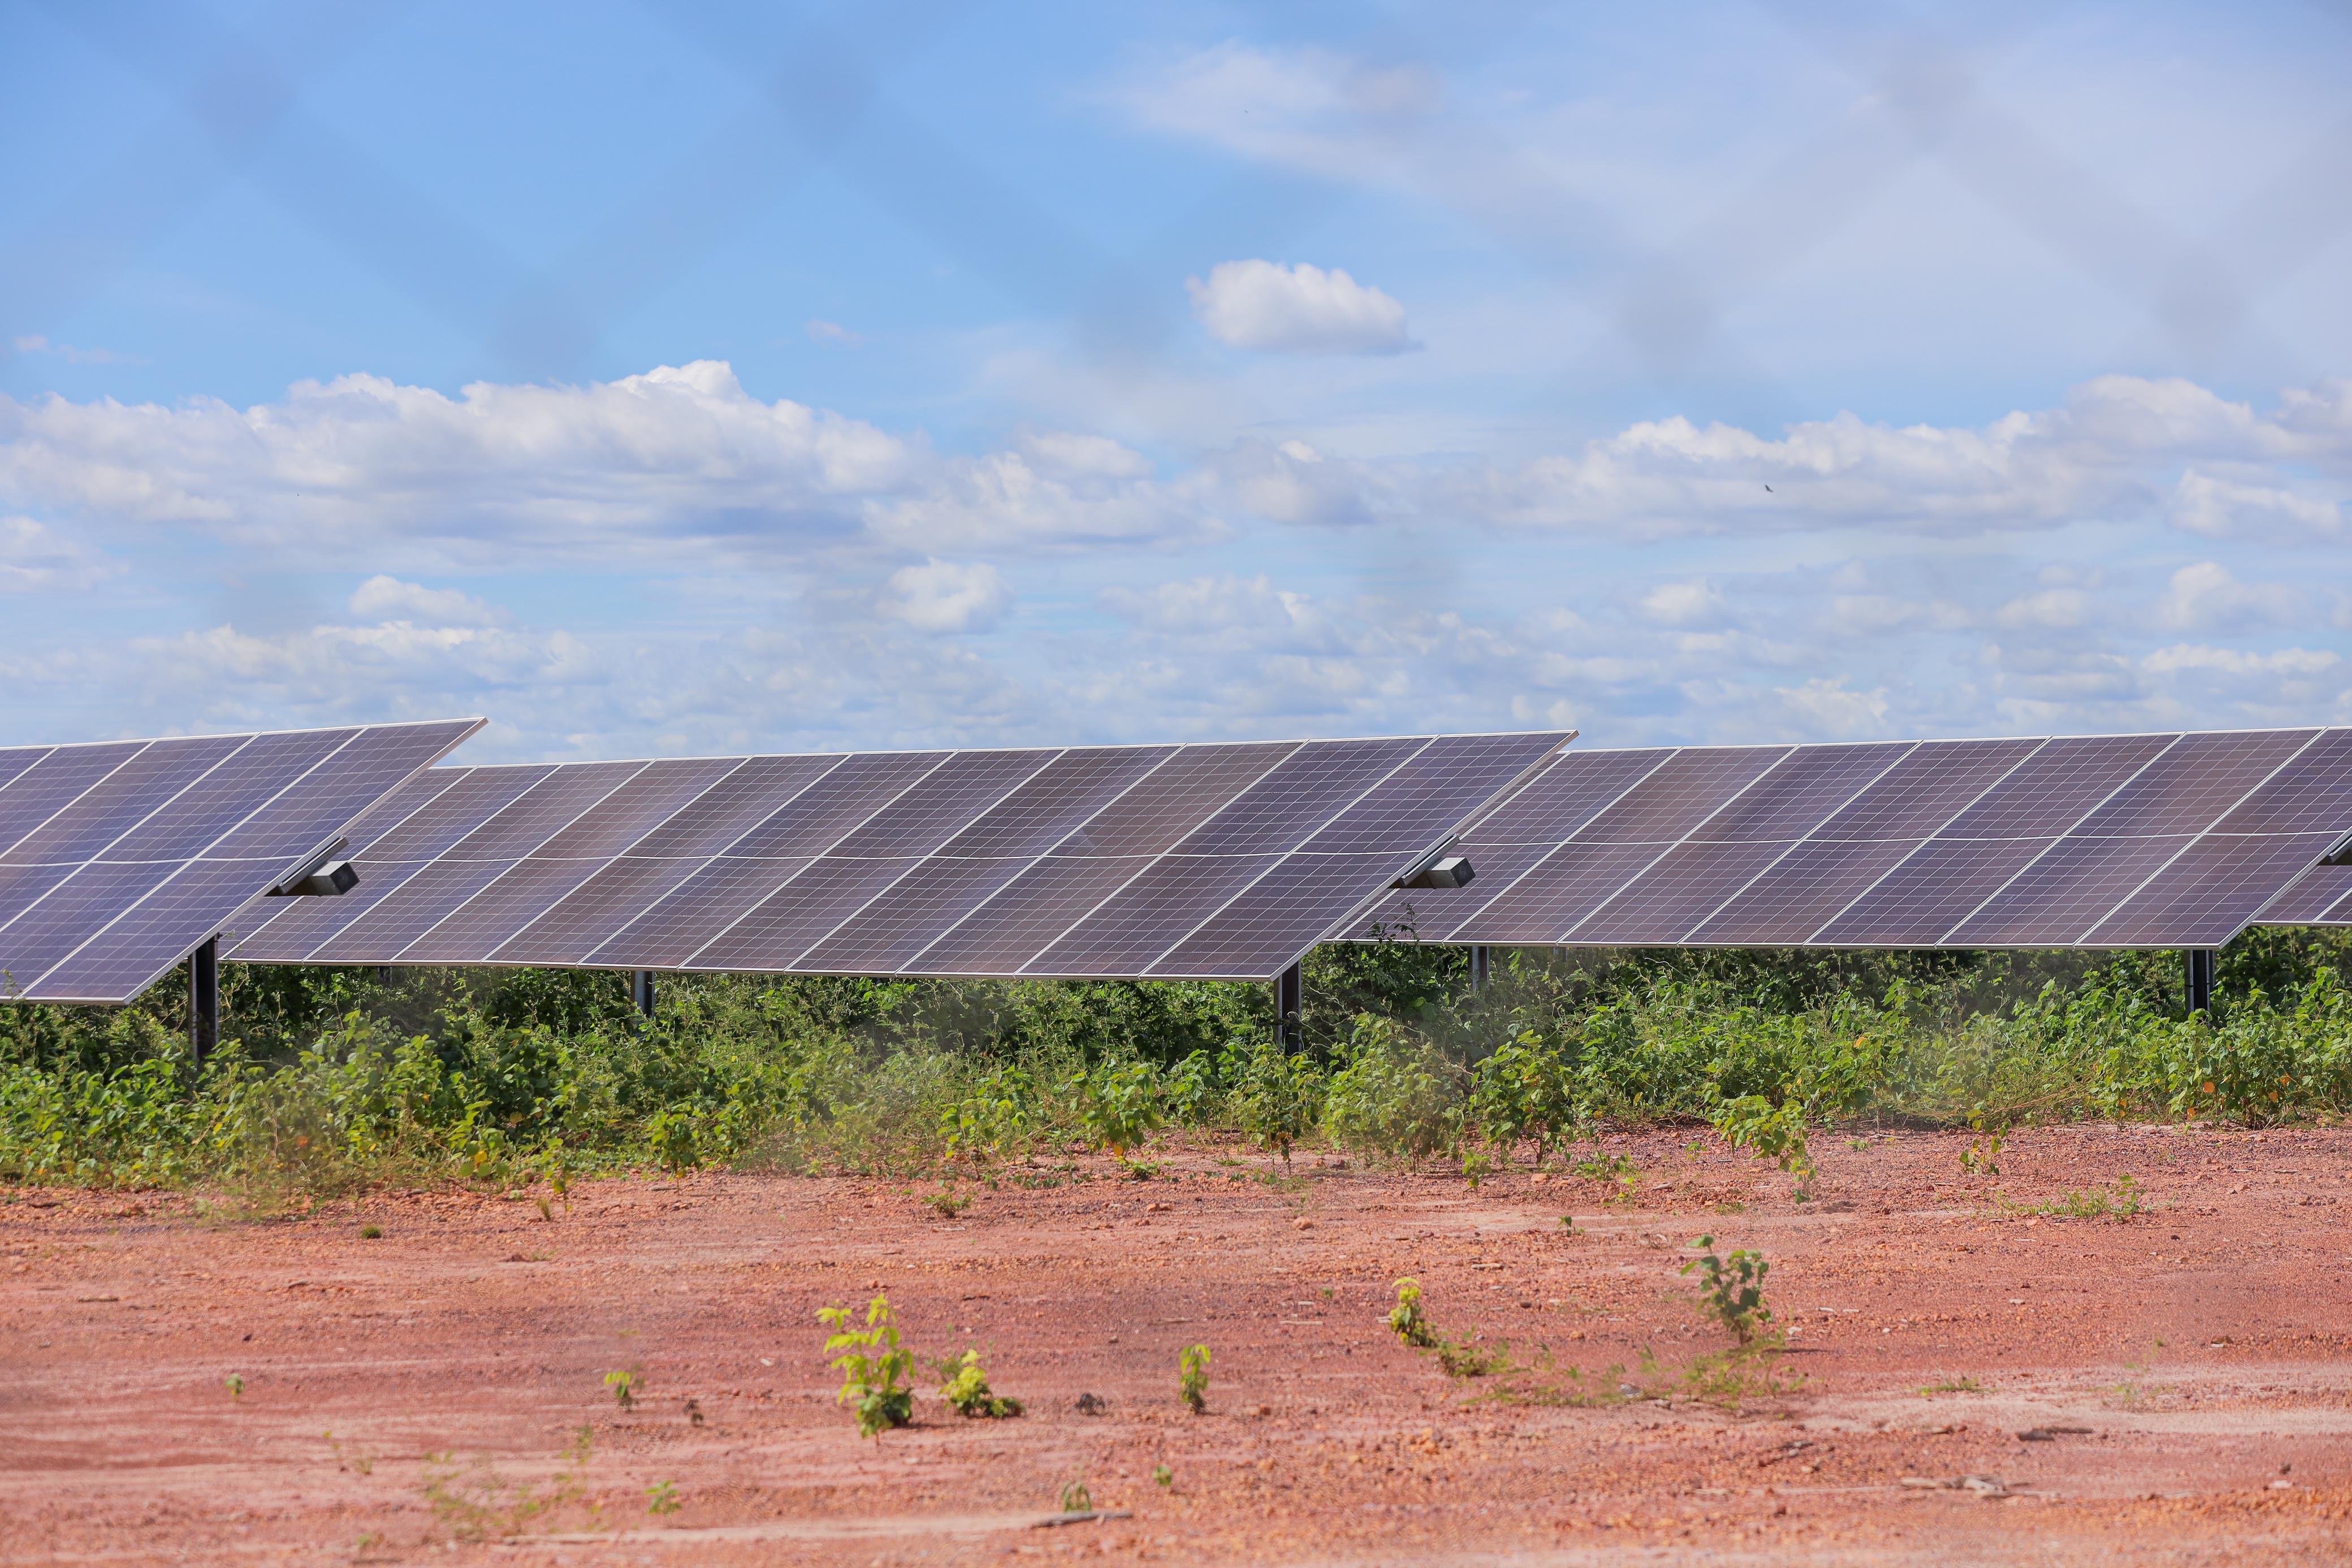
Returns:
point(874, 1367)
point(1164, 1478)
point(624, 1385)
point(1411, 1323)
point(947, 1203)
point(234, 1385)
point(1077, 1499)
point(1193, 1378)
point(1982, 1157)
point(370, 1232)
point(1731, 1290)
point(661, 1498)
point(965, 1389)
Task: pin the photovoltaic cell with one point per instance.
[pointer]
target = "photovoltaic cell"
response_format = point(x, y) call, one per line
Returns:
point(1008, 929)
point(1793, 899)
point(1142, 921)
point(2065, 892)
point(134, 853)
point(2318, 897)
point(2311, 794)
point(1567, 884)
point(2213, 891)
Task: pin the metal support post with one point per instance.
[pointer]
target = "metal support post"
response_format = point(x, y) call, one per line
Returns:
point(641, 992)
point(1481, 967)
point(1289, 1006)
point(204, 1000)
point(2201, 979)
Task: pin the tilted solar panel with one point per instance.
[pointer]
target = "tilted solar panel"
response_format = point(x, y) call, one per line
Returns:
point(119, 859)
point(1214, 861)
point(2158, 840)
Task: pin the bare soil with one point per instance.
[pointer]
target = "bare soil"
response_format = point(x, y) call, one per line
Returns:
point(180, 1385)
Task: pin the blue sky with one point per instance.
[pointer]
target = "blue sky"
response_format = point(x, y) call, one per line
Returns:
point(665, 380)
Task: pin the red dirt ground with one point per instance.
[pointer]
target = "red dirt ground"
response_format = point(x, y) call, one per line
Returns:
point(2199, 1347)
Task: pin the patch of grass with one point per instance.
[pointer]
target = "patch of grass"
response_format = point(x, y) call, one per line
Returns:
point(874, 1367)
point(473, 1502)
point(948, 1202)
point(370, 1232)
point(1954, 1386)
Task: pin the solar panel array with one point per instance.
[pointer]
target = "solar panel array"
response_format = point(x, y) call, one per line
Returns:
point(119, 857)
point(2144, 841)
point(2320, 896)
point(1221, 861)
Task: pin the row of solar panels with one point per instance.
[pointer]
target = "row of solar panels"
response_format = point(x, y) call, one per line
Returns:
point(1221, 861)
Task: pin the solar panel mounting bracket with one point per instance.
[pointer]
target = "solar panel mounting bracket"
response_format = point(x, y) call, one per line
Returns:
point(2341, 854)
point(324, 875)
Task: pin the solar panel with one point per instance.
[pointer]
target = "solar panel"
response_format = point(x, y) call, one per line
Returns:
point(2160, 841)
point(1222, 860)
point(123, 857)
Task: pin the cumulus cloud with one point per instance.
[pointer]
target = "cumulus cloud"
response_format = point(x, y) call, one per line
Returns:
point(1693, 603)
point(2208, 597)
point(384, 597)
point(2205, 502)
point(944, 596)
point(33, 557)
point(1300, 309)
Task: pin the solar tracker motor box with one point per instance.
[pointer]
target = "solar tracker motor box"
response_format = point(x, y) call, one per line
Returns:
point(1453, 871)
point(324, 880)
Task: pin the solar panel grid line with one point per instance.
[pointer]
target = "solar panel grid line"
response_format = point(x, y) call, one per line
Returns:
point(2244, 796)
point(838, 840)
point(1665, 757)
point(21, 761)
point(1103, 903)
point(1371, 900)
point(360, 837)
point(183, 869)
point(881, 892)
point(1902, 755)
point(419, 939)
point(2070, 827)
point(1723, 806)
point(1131, 786)
point(1360, 796)
point(704, 862)
point(1963, 809)
point(83, 787)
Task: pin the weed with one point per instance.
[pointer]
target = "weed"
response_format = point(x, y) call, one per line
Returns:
point(1466, 1357)
point(1278, 1095)
point(1731, 1290)
point(1777, 1132)
point(1857, 1144)
point(1953, 1385)
point(624, 1385)
point(1409, 1322)
point(1121, 1104)
point(1982, 1157)
point(1729, 1378)
point(234, 1385)
point(661, 1498)
point(473, 1503)
point(1475, 1164)
point(964, 1387)
point(1077, 1499)
point(694, 1412)
point(874, 1367)
point(345, 1459)
point(2122, 1203)
point(1618, 1171)
point(1164, 1478)
point(1193, 1378)
point(370, 1232)
point(947, 1203)
point(546, 1209)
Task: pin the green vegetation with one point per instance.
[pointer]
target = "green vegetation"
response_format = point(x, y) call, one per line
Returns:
point(473, 1503)
point(527, 1080)
point(873, 1365)
point(1193, 1378)
point(624, 1385)
point(1731, 1289)
point(964, 1387)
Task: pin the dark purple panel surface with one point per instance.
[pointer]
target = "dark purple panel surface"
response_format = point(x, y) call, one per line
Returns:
point(1058, 800)
point(2070, 889)
point(1567, 884)
point(2316, 897)
point(1685, 789)
point(943, 804)
point(1936, 888)
point(2197, 780)
point(629, 813)
point(547, 807)
point(401, 804)
point(470, 933)
point(70, 914)
point(1681, 889)
point(16, 760)
point(1576, 788)
point(1028, 916)
point(289, 930)
point(815, 818)
point(1150, 914)
point(318, 805)
point(598, 910)
point(1801, 790)
point(913, 913)
point(407, 912)
point(1176, 798)
point(1432, 914)
point(465, 805)
point(799, 915)
point(1273, 920)
point(1430, 794)
point(2056, 787)
point(731, 807)
point(115, 805)
point(1926, 789)
point(1788, 903)
point(125, 956)
point(21, 886)
point(44, 789)
point(1303, 793)
point(2312, 794)
point(212, 808)
point(712, 897)
point(2205, 897)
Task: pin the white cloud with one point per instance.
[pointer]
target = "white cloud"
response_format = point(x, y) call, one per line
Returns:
point(384, 597)
point(833, 332)
point(944, 596)
point(2206, 504)
point(2051, 609)
point(2207, 597)
point(35, 557)
point(2190, 657)
point(1824, 708)
point(37, 344)
point(1300, 309)
point(1693, 603)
